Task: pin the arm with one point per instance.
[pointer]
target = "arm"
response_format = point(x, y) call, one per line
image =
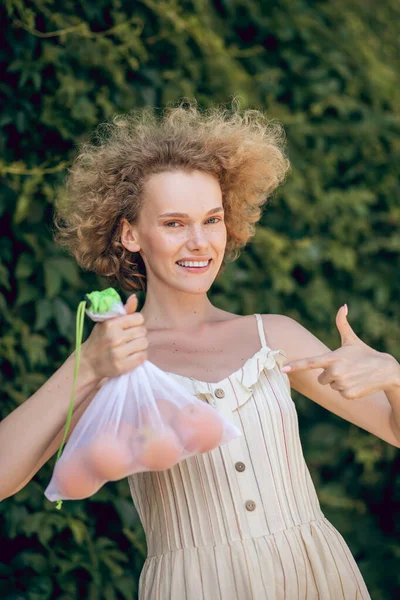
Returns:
point(55, 444)
point(33, 432)
point(27, 435)
point(393, 396)
point(373, 413)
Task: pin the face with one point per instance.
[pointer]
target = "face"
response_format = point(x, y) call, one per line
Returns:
point(197, 233)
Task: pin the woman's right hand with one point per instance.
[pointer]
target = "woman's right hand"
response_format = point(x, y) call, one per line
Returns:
point(117, 345)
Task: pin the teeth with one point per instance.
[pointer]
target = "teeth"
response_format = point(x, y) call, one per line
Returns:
point(204, 263)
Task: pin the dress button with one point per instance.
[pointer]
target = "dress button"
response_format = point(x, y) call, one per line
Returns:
point(239, 466)
point(219, 393)
point(250, 505)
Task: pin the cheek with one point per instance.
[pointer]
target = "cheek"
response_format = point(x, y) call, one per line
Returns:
point(163, 244)
point(219, 237)
point(225, 236)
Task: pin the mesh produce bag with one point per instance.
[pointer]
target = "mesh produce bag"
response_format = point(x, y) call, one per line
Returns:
point(140, 421)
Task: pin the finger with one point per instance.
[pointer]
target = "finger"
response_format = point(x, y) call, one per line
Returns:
point(336, 386)
point(130, 348)
point(126, 321)
point(120, 338)
point(347, 335)
point(132, 333)
point(128, 363)
point(134, 360)
point(131, 304)
point(325, 377)
point(120, 355)
point(315, 362)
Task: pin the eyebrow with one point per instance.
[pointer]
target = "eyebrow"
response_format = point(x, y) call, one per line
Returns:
point(185, 215)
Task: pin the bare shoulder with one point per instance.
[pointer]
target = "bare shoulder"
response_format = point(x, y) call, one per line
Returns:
point(284, 333)
point(372, 413)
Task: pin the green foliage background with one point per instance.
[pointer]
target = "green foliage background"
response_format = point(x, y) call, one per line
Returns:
point(328, 70)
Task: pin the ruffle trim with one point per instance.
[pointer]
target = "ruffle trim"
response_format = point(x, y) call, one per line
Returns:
point(245, 377)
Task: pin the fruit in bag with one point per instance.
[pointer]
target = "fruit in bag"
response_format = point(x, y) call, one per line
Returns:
point(74, 479)
point(138, 421)
point(199, 428)
point(161, 448)
point(168, 411)
point(109, 457)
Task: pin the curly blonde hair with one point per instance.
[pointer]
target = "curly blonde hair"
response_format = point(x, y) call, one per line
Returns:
point(245, 153)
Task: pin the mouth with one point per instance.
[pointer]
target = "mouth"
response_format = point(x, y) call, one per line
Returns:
point(195, 269)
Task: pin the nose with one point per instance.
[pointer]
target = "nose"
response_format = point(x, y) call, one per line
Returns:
point(197, 238)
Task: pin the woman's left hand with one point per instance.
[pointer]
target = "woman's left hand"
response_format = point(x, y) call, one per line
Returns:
point(355, 369)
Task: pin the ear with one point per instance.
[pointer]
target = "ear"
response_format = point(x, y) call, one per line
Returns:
point(128, 237)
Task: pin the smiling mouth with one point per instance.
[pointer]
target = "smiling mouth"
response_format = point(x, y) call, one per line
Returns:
point(196, 269)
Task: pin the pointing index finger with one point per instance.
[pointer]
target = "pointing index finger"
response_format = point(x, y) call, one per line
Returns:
point(314, 362)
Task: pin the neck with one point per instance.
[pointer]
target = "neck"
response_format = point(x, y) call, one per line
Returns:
point(178, 311)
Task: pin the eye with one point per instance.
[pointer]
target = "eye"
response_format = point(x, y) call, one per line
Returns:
point(216, 219)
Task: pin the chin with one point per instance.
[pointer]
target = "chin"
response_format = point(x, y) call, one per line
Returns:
point(193, 289)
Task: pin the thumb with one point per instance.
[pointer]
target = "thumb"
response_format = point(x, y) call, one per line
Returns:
point(131, 304)
point(348, 336)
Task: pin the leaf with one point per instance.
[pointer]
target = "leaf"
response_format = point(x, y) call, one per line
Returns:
point(16, 518)
point(27, 292)
point(114, 567)
point(44, 525)
point(67, 268)
point(35, 347)
point(14, 394)
point(25, 266)
point(132, 537)
point(126, 511)
point(31, 559)
point(40, 588)
point(64, 318)
point(34, 242)
point(35, 380)
point(44, 312)
point(15, 65)
point(125, 585)
point(79, 530)
point(109, 593)
point(52, 278)
point(4, 276)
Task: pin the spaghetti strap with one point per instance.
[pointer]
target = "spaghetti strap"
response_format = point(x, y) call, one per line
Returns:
point(261, 330)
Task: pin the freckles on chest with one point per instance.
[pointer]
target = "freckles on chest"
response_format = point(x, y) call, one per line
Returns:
point(208, 356)
point(198, 361)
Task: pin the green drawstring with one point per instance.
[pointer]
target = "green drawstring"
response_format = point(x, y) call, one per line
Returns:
point(80, 317)
point(100, 302)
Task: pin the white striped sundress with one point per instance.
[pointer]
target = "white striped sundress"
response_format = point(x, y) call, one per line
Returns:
point(243, 522)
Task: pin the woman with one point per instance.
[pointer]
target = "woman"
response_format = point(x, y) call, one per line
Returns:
point(160, 206)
